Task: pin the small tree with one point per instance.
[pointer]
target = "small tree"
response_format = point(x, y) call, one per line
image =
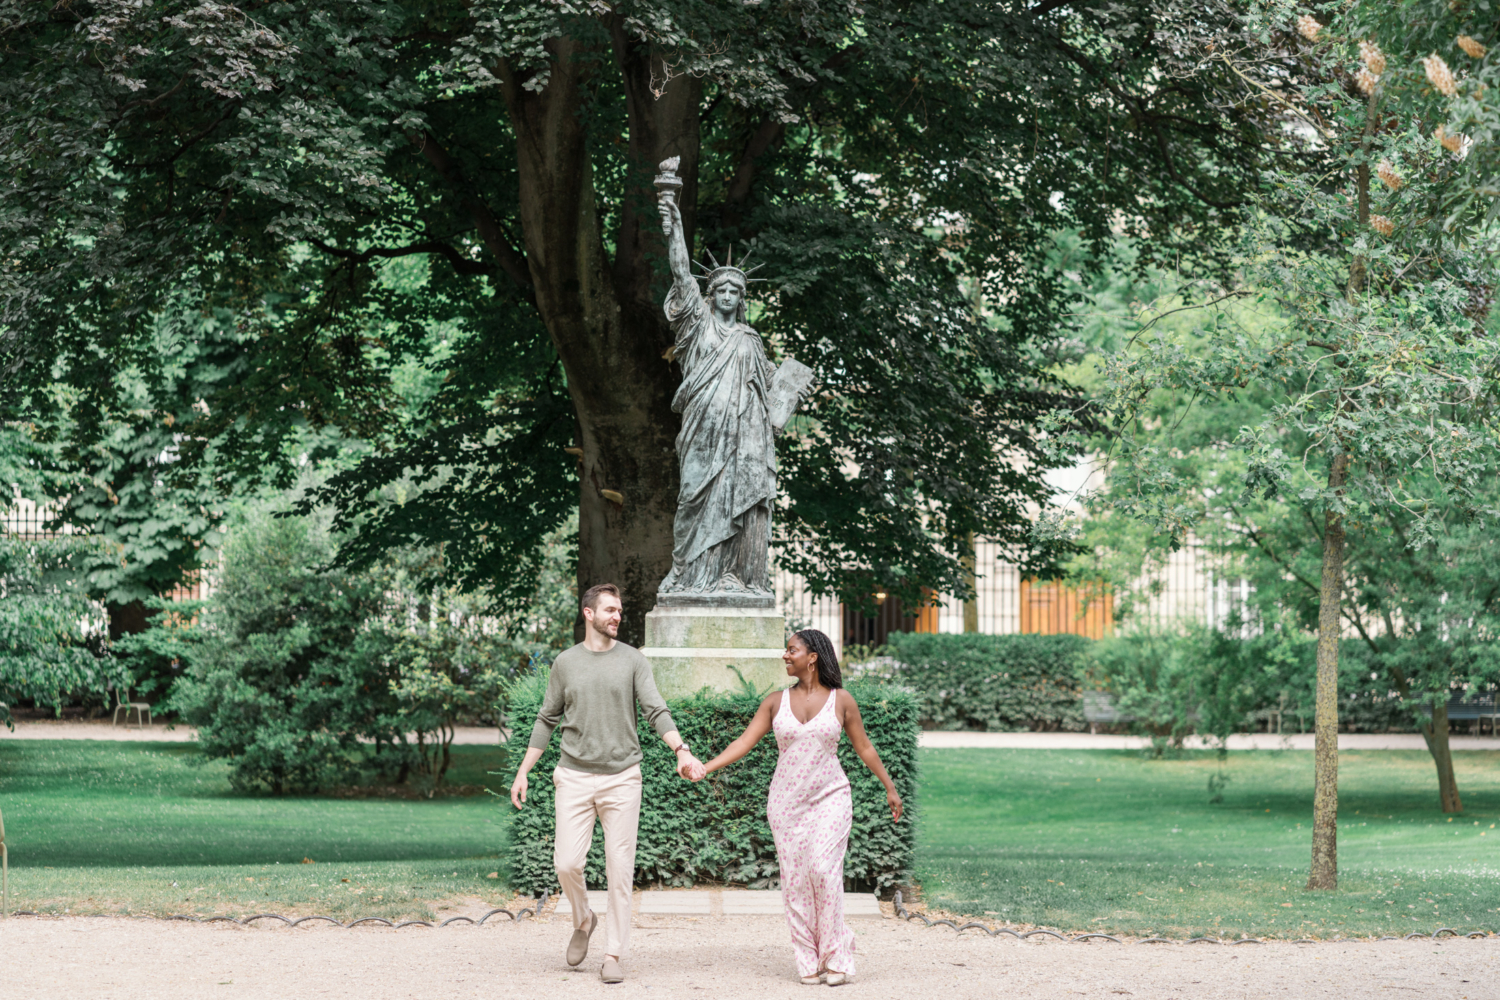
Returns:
point(49, 647)
point(1429, 610)
point(292, 673)
point(1376, 364)
point(445, 674)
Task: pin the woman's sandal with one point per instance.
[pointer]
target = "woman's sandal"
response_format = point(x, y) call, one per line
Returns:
point(812, 980)
point(838, 979)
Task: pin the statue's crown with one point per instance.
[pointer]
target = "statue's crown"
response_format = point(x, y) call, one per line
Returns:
point(713, 274)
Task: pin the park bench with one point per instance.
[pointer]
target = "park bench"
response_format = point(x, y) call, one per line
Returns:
point(1099, 706)
point(1475, 707)
point(1274, 716)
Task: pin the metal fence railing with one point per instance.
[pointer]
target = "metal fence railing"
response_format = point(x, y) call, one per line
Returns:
point(1188, 585)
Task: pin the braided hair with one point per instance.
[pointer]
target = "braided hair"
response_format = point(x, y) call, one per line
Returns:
point(828, 661)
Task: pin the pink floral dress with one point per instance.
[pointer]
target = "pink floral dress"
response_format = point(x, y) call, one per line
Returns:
point(811, 810)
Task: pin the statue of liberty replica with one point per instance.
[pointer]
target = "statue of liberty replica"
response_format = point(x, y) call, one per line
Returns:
point(733, 402)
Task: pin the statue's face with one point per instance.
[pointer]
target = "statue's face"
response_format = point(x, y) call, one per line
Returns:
point(727, 297)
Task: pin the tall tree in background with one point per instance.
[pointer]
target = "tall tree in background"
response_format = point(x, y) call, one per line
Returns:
point(115, 472)
point(1376, 262)
point(892, 163)
point(1421, 593)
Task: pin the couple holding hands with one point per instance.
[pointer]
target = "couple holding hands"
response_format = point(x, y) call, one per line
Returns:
point(592, 696)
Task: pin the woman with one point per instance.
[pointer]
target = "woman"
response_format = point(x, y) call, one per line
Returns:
point(810, 807)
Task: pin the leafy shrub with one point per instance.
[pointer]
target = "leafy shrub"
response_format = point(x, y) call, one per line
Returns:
point(1206, 681)
point(1001, 683)
point(445, 673)
point(159, 655)
point(1171, 684)
point(716, 830)
point(304, 675)
point(46, 655)
point(287, 675)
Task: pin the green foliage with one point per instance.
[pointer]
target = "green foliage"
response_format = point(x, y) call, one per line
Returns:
point(159, 655)
point(303, 674)
point(115, 469)
point(446, 673)
point(49, 647)
point(329, 136)
point(716, 830)
point(1175, 683)
point(1214, 683)
point(289, 676)
point(1359, 387)
point(1001, 683)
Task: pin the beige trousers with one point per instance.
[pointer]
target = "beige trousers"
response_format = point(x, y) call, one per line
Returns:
point(616, 800)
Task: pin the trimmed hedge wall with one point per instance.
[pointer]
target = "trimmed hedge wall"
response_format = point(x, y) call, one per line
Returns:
point(715, 831)
point(1001, 683)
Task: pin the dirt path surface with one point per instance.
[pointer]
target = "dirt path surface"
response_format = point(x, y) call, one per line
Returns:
point(104, 958)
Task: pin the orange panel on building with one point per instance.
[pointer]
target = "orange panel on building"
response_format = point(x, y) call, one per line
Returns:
point(927, 614)
point(1052, 609)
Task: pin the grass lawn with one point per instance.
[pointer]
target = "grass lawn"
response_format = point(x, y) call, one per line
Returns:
point(1110, 841)
point(101, 827)
point(1068, 839)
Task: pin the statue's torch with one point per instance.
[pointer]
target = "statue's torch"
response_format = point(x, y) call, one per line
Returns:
point(667, 182)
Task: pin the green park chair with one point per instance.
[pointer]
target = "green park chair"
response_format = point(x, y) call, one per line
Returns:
point(142, 709)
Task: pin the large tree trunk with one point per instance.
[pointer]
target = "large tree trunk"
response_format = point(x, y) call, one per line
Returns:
point(603, 316)
point(1435, 732)
point(126, 619)
point(1325, 869)
point(971, 606)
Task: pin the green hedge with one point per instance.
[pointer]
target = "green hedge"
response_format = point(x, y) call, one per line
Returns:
point(1002, 683)
point(715, 831)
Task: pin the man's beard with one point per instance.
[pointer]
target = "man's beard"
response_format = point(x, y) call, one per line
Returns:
point(611, 629)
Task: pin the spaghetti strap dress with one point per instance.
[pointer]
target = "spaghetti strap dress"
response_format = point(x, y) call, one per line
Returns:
point(810, 810)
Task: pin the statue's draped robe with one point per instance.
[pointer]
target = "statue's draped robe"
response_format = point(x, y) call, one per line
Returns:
point(726, 451)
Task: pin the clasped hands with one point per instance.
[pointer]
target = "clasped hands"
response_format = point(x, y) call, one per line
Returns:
point(691, 767)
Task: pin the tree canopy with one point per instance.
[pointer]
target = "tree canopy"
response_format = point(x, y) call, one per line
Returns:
point(1371, 389)
point(899, 167)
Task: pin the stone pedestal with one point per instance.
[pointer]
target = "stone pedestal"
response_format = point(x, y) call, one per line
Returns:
point(692, 647)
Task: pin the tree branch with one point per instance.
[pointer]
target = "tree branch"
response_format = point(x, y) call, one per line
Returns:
point(1255, 537)
point(511, 261)
point(759, 143)
point(1144, 117)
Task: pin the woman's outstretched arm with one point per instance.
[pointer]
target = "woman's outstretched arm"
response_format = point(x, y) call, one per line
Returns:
point(854, 725)
point(759, 726)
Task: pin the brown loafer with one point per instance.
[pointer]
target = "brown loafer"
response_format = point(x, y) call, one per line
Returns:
point(578, 947)
point(611, 972)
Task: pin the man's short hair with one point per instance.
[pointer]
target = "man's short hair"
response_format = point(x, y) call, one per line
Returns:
point(590, 600)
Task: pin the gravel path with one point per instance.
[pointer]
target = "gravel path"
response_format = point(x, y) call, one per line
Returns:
point(104, 958)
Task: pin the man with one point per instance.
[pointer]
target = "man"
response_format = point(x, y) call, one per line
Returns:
point(593, 691)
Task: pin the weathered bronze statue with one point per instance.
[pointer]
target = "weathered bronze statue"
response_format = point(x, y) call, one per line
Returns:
point(733, 401)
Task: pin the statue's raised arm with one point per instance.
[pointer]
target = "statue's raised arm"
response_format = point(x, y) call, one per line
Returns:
point(667, 186)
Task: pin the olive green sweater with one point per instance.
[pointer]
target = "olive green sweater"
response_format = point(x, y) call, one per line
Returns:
point(594, 696)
